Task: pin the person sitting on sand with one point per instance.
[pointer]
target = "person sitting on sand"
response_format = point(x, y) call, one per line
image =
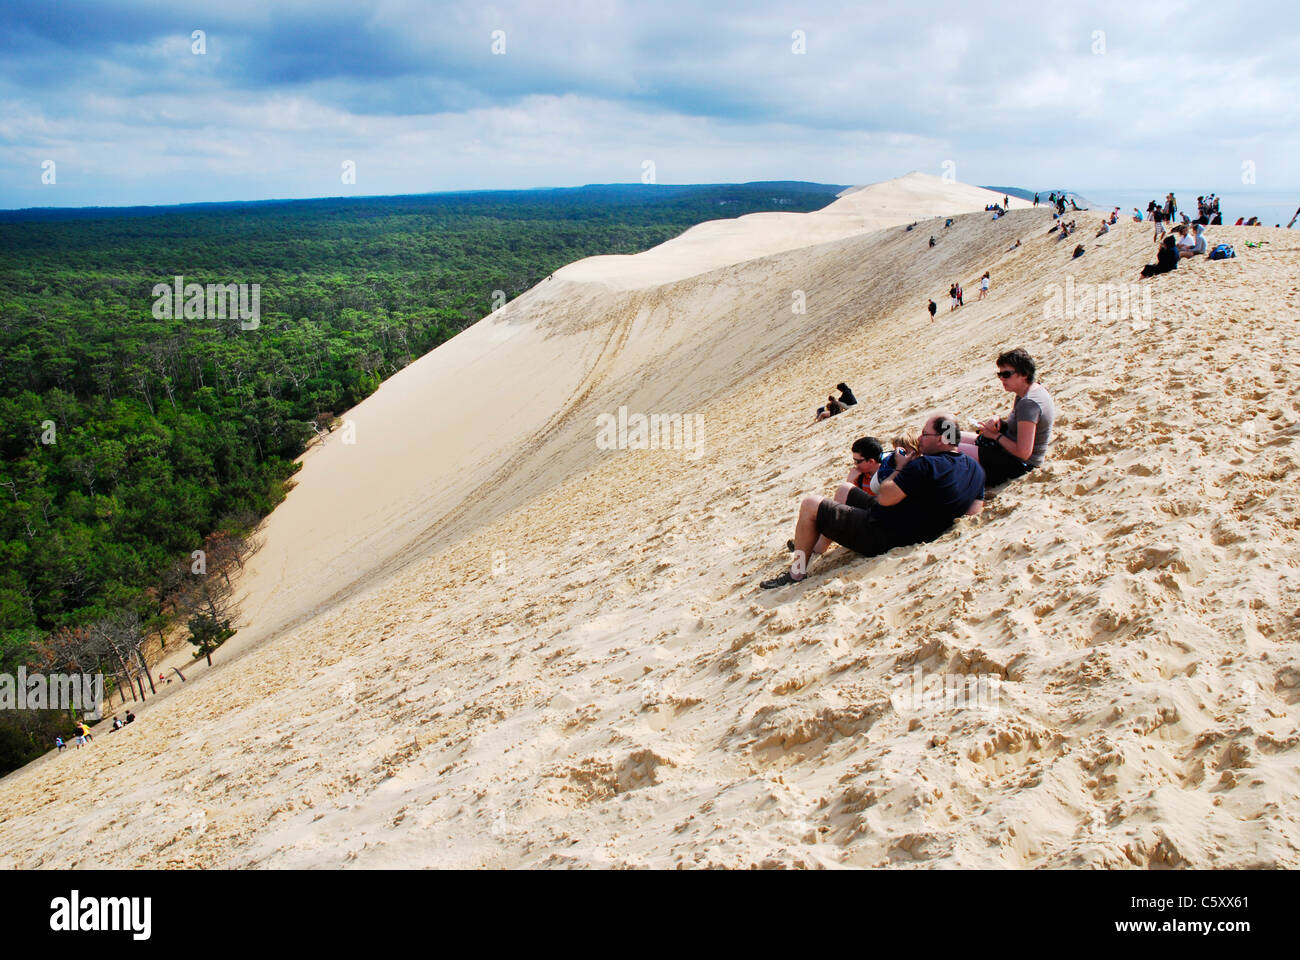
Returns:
point(1105, 229)
point(847, 399)
point(1137, 215)
point(917, 504)
point(1166, 259)
point(903, 449)
point(1114, 216)
point(857, 485)
point(831, 409)
point(58, 742)
point(130, 717)
point(1011, 447)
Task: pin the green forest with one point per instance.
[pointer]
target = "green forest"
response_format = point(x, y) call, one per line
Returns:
point(139, 447)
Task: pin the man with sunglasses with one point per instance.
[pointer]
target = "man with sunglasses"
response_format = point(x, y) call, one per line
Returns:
point(918, 503)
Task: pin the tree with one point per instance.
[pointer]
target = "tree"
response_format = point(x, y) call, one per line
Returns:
point(208, 633)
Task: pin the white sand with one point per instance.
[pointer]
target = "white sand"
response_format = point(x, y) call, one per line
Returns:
point(618, 692)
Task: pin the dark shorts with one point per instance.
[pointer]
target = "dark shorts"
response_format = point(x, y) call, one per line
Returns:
point(860, 498)
point(1000, 466)
point(853, 524)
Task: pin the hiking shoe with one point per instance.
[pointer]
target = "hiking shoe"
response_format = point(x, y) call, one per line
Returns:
point(782, 581)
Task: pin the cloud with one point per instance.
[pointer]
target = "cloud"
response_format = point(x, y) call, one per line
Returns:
point(586, 90)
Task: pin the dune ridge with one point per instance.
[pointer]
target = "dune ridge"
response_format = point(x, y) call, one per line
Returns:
point(580, 670)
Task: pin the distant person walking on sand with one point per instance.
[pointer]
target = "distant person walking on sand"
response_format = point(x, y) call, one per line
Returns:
point(932, 240)
point(984, 285)
point(952, 295)
point(1011, 447)
point(917, 504)
point(58, 742)
point(1006, 202)
point(933, 308)
point(960, 301)
point(1035, 199)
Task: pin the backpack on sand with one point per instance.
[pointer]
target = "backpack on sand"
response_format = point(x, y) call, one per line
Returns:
point(1222, 252)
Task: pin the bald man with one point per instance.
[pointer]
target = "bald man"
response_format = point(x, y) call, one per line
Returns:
point(916, 504)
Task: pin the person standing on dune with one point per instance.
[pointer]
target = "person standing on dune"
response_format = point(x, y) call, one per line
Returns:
point(933, 308)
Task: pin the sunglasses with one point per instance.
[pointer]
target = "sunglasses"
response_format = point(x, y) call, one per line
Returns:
point(1006, 374)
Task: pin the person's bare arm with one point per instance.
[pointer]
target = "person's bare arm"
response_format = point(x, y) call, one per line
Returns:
point(1023, 448)
point(890, 493)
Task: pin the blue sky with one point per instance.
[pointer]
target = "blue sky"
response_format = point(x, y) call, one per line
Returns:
point(412, 94)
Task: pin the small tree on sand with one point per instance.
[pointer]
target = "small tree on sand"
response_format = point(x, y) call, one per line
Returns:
point(208, 633)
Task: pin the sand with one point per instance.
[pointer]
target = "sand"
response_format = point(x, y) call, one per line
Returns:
point(476, 639)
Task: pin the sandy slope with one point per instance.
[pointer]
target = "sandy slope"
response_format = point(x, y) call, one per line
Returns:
point(614, 690)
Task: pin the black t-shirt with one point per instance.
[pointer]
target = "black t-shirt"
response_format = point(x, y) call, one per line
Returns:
point(940, 488)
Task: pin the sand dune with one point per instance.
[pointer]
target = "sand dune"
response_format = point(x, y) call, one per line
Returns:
point(575, 668)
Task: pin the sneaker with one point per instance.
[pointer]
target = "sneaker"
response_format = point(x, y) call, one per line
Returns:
point(784, 580)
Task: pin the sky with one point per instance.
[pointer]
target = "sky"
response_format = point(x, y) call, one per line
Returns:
point(121, 103)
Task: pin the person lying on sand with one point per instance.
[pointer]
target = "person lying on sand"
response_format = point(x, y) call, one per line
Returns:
point(1011, 447)
point(867, 453)
point(917, 504)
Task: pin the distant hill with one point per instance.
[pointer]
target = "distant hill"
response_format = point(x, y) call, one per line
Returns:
point(760, 194)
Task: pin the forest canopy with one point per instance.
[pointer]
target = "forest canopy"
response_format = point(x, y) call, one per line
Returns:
point(132, 436)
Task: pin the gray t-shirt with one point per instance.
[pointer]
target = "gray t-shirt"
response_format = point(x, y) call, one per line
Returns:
point(1034, 407)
